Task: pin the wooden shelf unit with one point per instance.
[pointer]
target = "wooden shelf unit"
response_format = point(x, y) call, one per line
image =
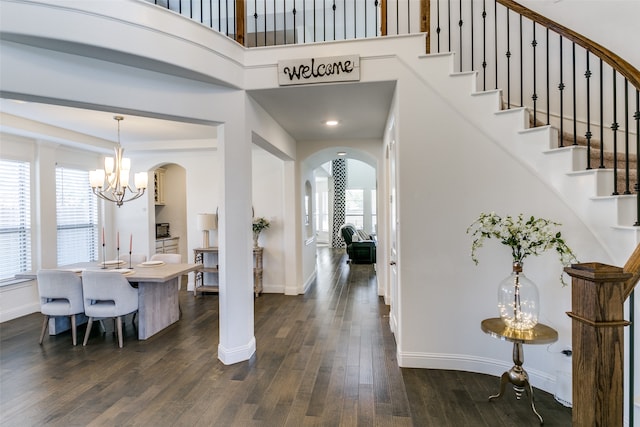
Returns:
point(208, 258)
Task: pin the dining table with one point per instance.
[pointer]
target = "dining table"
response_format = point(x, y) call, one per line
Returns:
point(158, 286)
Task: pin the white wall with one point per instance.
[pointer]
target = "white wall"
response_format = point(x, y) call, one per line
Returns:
point(268, 202)
point(611, 23)
point(449, 171)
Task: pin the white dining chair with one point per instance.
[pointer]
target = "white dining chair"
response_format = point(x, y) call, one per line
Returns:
point(107, 294)
point(60, 295)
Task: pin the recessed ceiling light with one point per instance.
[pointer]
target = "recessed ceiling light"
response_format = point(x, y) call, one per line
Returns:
point(342, 153)
point(331, 123)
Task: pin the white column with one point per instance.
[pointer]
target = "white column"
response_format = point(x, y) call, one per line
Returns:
point(292, 243)
point(237, 340)
point(46, 255)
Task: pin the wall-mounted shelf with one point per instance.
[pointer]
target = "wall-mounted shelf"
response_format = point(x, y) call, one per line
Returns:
point(158, 187)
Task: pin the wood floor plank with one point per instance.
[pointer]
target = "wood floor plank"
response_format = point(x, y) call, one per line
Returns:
point(324, 358)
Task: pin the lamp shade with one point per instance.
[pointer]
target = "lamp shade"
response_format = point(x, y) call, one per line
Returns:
point(207, 221)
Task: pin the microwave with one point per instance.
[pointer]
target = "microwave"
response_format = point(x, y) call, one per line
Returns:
point(162, 230)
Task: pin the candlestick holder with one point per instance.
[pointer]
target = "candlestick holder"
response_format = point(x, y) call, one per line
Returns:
point(130, 259)
point(104, 259)
point(118, 255)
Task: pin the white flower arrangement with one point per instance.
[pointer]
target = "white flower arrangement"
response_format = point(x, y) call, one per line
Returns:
point(260, 224)
point(525, 237)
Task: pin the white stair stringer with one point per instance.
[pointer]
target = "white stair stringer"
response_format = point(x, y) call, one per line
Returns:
point(586, 192)
point(583, 190)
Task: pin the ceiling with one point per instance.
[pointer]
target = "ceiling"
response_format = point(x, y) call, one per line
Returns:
point(360, 108)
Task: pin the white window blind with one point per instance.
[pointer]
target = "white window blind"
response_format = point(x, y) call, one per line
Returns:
point(15, 218)
point(77, 217)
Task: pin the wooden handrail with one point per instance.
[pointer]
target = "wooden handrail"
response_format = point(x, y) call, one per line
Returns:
point(631, 73)
point(632, 266)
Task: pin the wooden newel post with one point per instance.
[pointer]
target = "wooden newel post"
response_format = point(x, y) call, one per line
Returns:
point(597, 298)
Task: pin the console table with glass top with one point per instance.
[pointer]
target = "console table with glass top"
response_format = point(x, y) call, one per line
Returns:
point(539, 334)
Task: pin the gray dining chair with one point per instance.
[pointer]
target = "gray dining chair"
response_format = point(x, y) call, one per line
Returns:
point(107, 294)
point(60, 295)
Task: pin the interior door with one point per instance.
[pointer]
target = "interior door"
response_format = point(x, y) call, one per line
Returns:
point(393, 240)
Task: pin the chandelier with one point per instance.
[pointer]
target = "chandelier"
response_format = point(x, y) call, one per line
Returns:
point(112, 182)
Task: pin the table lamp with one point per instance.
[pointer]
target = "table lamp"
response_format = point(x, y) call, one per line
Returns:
point(206, 222)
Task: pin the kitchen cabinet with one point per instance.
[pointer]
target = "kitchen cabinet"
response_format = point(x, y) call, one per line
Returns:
point(168, 245)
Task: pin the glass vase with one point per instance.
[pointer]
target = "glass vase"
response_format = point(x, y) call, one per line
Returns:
point(518, 300)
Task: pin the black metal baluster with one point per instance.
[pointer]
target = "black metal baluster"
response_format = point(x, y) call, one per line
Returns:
point(344, 17)
point(573, 81)
point(561, 88)
point(448, 21)
point(438, 28)
point(472, 19)
point(508, 55)
point(355, 14)
point(324, 21)
point(548, 83)
point(460, 22)
point(365, 19)
point(484, 45)
point(255, 18)
point(304, 21)
point(534, 97)
point(521, 65)
point(614, 128)
point(191, 9)
point(587, 135)
point(314, 20)
point(334, 19)
point(275, 24)
point(376, 4)
point(284, 18)
point(626, 136)
point(295, 33)
point(601, 166)
point(495, 37)
point(636, 116)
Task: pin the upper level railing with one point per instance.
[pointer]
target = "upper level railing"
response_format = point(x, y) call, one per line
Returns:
point(564, 79)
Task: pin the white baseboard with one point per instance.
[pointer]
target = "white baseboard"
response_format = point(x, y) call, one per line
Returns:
point(238, 354)
point(460, 362)
point(16, 312)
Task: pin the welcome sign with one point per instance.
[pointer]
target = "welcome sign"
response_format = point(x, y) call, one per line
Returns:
point(319, 70)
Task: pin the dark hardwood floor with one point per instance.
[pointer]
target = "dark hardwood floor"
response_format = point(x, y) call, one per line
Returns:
point(325, 358)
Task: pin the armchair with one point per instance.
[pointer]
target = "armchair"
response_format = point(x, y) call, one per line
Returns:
point(360, 251)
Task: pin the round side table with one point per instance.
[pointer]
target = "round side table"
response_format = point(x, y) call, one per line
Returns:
point(539, 334)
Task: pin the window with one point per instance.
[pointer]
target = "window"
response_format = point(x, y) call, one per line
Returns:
point(77, 217)
point(321, 205)
point(15, 218)
point(354, 207)
point(374, 216)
